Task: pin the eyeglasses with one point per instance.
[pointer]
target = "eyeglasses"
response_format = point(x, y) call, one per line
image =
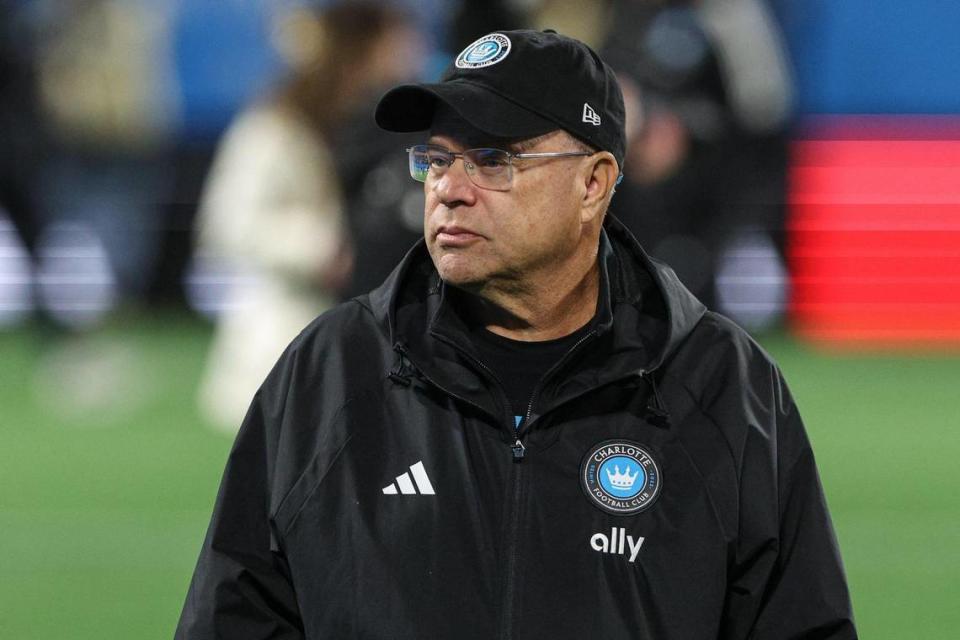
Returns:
point(487, 168)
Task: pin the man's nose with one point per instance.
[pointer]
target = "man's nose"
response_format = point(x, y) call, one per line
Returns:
point(454, 186)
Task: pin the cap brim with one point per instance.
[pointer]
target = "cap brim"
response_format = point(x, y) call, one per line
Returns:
point(411, 107)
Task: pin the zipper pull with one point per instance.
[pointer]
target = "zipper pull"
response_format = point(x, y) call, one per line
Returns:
point(518, 451)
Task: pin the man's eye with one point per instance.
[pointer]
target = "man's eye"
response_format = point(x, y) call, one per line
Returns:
point(440, 162)
point(492, 163)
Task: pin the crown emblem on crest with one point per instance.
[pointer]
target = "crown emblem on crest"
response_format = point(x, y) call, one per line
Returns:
point(482, 51)
point(622, 480)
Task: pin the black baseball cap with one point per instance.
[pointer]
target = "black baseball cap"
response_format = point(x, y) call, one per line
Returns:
point(519, 84)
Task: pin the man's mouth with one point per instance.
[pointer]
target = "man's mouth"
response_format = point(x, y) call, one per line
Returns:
point(454, 236)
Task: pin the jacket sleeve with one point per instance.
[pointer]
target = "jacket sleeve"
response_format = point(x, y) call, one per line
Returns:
point(786, 577)
point(241, 588)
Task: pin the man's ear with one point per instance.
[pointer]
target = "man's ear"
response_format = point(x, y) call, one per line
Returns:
point(599, 179)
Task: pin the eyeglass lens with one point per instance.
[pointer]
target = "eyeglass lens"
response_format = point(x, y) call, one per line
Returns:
point(487, 168)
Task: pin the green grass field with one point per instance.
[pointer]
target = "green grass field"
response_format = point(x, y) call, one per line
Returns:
point(107, 477)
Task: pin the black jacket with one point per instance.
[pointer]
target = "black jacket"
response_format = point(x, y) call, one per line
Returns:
point(377, 488)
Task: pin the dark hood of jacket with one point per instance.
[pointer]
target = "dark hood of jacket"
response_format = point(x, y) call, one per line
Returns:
point(643, 314)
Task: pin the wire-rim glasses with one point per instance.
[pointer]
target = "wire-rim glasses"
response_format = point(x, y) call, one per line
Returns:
point(487, 168)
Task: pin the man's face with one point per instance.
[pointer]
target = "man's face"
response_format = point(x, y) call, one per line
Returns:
point(478, 237)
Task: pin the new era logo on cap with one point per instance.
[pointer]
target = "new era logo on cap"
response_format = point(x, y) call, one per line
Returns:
point(406, 485)
point(590, 116)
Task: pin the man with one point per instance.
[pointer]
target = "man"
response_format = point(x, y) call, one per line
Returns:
point(531, 430)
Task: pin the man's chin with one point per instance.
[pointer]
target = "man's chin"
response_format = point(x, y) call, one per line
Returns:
point(458, 269)
point(457, 278)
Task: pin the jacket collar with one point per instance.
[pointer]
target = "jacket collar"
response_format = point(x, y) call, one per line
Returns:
point(643, 314)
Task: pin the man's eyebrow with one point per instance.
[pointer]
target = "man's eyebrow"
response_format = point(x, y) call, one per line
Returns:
point(527, 143)
point(469, 141)
point(523, 145)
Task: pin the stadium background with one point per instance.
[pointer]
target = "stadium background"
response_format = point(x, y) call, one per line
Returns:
point(108, 471)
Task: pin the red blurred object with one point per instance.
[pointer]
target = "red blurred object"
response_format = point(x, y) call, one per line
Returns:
point(874, 232)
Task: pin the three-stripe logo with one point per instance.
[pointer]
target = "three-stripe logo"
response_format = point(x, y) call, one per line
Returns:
point(423, 484)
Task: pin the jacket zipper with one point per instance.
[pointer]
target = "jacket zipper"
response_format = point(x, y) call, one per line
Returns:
point(519, 451)
point(506, 620)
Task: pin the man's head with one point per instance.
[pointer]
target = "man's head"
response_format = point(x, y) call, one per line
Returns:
point(524, 92)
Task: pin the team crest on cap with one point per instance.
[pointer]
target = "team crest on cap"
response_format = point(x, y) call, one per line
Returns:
point(488, 50)
point(620, 477)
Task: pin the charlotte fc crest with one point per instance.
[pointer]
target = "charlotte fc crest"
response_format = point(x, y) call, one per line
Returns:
point(620, 477)
point(488, 50)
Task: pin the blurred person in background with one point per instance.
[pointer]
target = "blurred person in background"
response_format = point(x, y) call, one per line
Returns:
point(705, 175)
point(104, 98)
point(22, 139)
point(23, 144)
point(273, 204)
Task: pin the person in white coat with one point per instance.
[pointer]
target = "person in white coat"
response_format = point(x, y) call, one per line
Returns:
point(272, 207)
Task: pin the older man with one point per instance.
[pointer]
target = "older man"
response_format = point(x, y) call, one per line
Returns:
point(531, 430)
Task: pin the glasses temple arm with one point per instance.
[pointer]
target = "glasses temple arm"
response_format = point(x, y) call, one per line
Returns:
point(551, 154)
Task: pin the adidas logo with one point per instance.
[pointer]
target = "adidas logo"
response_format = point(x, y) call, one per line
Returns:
point(406, 484)
point(590, 116)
